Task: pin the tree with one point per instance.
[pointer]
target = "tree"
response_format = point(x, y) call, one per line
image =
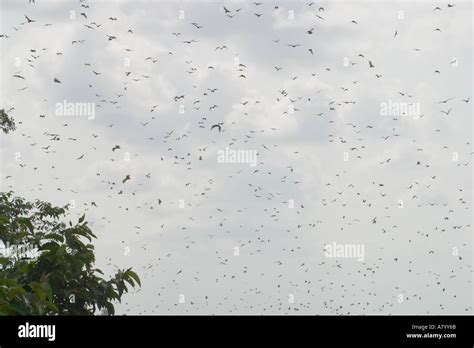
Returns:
point(51, 270)
point(7, 124)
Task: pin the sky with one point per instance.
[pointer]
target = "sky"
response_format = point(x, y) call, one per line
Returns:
point(358, 115)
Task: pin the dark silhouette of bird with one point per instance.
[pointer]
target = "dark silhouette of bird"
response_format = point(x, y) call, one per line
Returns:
point(218, 126)
point(29, 20)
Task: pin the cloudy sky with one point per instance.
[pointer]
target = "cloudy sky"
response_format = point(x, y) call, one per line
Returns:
point(359, 114)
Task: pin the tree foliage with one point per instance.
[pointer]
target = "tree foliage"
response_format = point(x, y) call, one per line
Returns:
point(7, 124)
point(61, 279)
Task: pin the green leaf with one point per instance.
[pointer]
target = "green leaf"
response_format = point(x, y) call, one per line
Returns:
point(110, 308)
point(81, 219)
point(55, 236)
point(134, 276)
point(38, 289)
point(49, 246)
point(82, 233)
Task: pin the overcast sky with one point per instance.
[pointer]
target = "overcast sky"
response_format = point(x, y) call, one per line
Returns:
point(300, 84)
